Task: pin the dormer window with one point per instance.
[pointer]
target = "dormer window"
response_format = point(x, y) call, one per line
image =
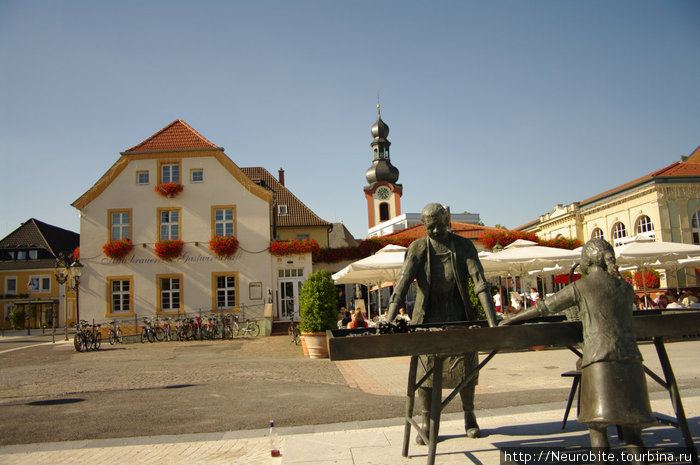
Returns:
point(282, 210)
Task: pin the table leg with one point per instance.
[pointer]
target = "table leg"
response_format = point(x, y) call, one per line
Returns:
point(435, 410)
point(675, 397)
point(410, 402)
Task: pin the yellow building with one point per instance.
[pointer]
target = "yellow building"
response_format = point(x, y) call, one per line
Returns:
point(664, 204)
point(27, 282)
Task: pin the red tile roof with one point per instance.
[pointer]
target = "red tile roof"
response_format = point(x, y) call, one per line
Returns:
point(178, 135)
point(688, 168)
point(467, 230)
point(298, 213)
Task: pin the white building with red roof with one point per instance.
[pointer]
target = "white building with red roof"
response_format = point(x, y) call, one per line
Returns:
point(160, 205)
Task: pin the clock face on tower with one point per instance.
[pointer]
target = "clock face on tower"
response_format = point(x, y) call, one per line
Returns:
point(383, 193)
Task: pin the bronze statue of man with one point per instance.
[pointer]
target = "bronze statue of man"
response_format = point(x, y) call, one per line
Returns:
point(442, 265)
point(613, 386)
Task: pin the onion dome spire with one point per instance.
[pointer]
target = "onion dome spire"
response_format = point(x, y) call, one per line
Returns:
point(381, 169)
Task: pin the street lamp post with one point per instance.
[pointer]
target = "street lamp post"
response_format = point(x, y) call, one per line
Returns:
point(61, 272)
point(77, 270)
point(27, 314)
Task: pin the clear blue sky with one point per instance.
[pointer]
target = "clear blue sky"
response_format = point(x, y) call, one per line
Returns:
point(502, 108)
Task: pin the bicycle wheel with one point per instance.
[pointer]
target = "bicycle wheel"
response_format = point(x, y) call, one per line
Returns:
point(227, 333)
point(112, 337)
point(98, 341)
point(254, 329)
point(294, 335)
point(144, 335)
point(120, 340)
point(78, 342)
point(87, 343)
point(159, 333)
point(235, 329)
point(151, 336)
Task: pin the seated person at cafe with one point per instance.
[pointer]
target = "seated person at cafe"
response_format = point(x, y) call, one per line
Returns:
point(358, 320)
point(688, 299)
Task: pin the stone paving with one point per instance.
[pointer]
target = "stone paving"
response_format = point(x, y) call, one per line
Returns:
point(379, 441)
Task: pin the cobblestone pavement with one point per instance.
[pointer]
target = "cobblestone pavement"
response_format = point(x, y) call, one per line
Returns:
point(205, 402)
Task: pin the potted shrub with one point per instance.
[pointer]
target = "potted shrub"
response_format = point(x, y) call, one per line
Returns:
point(168, 249)
point(318, 312)
point(223, 246)
point(117, 249)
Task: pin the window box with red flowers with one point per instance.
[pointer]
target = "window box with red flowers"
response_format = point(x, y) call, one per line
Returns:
point(117, 249)
point(169, 249)
point(223, 246)
point(169, 189)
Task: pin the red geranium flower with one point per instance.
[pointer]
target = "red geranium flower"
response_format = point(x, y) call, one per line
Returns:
point(118, 249)
point(168, 249)
point(223, 246)
point(169, 189)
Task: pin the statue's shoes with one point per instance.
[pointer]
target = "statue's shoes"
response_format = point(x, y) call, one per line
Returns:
point(473, 433)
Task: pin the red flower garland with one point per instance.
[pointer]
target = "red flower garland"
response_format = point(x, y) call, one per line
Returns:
point(508, 237)
point(366, 248)
point(169, 189)
point(223, 246)
point(117, 249)
point(168, 249)
point(294, 247)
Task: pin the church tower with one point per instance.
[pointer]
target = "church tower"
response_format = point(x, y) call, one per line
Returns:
point(383, 194)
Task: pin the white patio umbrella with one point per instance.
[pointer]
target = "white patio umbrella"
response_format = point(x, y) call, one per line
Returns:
point(644, 252)
point(383, 266)
point(523, 256)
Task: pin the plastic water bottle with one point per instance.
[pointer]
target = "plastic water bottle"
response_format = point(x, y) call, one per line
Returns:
point(274, 441)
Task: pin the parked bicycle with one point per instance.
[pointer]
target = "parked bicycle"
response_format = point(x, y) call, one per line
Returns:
point(115, 333)
point(294, 333)
point(147, 332)
point(95, 337)
point(227, 327)
point(250, 327)
point(167, 329)
point(81, 341)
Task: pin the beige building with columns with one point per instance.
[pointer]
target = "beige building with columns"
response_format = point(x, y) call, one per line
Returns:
point(664, 204)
